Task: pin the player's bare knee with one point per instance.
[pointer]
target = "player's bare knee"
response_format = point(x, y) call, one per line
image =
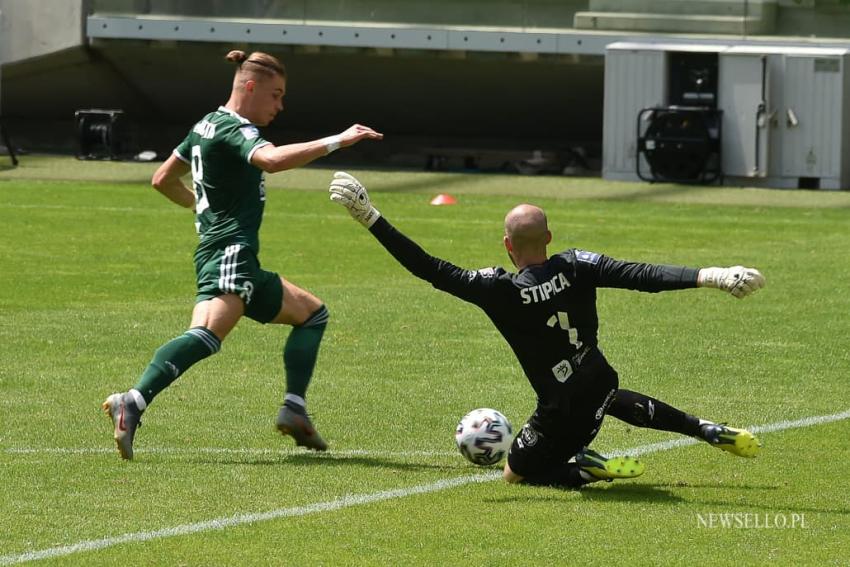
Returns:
point(510, 476)
point(317, 318)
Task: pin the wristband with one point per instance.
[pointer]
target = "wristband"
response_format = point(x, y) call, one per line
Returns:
point(709, 277)
point(332, 143)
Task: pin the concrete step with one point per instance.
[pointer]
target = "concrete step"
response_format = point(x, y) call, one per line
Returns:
point(672, 23)
point(750, 8)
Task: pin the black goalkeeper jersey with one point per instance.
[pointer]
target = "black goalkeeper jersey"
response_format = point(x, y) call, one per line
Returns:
point(546, 312)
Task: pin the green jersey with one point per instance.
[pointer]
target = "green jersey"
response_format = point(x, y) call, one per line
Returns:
point(229, 190)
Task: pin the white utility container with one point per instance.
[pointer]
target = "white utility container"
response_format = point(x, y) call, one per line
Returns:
point(785, 110)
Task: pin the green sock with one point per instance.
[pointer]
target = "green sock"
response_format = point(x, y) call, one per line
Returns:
point(301, 351)
point(174, 358)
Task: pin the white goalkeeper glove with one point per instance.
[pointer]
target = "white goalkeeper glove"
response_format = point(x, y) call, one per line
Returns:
point(737, 280)
point(351, 194)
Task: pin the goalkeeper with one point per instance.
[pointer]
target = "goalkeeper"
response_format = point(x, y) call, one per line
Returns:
point(547, 314)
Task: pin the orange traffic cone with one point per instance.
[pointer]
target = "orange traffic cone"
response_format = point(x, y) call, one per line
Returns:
point(443, 199)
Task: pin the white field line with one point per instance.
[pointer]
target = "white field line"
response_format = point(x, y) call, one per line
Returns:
point(358, 499)
point(240, 519)
point(767, 428)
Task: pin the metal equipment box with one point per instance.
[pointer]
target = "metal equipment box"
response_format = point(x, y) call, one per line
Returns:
point(784, 110)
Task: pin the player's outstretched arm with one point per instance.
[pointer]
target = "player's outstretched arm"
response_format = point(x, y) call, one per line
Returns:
point(737, 280)
point(271, 158)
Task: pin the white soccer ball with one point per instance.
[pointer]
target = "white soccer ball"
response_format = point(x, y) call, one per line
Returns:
point(484, 436)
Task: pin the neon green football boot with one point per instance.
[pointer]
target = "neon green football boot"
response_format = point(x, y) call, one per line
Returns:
point(739, 442)
point(604, 468)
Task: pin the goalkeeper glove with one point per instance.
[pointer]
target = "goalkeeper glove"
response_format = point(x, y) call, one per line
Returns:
point(737, 280)
point(351, 194)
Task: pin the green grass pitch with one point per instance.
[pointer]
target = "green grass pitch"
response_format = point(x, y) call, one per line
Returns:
point(96, 273)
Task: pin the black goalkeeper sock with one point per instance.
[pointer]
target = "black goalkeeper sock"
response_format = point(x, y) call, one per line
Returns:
point(642, 411)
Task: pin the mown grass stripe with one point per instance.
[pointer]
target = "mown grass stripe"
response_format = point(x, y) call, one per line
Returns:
point(241, 519)
point(359, 499)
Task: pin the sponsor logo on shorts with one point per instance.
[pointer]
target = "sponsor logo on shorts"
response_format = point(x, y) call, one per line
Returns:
point(247, 292)
point(528, 437)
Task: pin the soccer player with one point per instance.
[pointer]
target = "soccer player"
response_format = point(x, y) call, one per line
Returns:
point(547, 314)
point(227, 157)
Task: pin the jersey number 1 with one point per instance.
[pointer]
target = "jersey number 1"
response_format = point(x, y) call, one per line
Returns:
point(562, 320)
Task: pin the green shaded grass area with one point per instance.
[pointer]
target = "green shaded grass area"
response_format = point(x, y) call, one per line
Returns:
point(96, 274)
point(316, 177)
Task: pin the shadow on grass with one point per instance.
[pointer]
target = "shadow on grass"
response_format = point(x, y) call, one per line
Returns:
point(720, 485)
point(762, 503)
point(665, 494)
point(779, 507)
point(621, 492)
point(440, 184)
point(327, 460)
point(683, 194)
point(614, 493)
point(650, 191)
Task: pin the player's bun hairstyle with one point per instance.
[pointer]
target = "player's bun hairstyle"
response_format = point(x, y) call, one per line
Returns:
point(258, 63)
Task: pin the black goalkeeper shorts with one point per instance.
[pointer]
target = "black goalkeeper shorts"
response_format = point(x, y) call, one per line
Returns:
point(560, 428)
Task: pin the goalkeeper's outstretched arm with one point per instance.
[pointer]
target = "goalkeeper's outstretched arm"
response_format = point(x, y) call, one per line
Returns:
point(443, 275)
point(608, 272)
point(351, 194)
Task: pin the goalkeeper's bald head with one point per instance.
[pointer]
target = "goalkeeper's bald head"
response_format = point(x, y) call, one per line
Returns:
point(526, 235)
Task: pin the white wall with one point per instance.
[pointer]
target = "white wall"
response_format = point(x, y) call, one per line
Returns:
point(32, 28)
